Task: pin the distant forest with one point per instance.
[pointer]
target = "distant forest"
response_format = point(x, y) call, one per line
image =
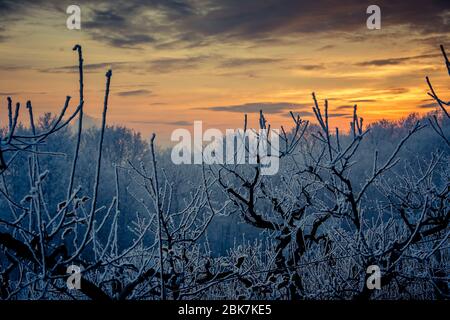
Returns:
point(139, 227)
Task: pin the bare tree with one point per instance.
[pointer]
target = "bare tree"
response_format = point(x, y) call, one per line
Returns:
point(321, 222)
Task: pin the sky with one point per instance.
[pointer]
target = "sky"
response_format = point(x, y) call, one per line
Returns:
point(175, 62)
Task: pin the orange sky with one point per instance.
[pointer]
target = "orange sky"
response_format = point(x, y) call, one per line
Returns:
point(165, 77)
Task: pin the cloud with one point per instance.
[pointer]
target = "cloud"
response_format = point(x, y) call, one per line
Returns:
point(187, 23)
point(394, 61)
point(245, 62)
point(344, 107)
point(87, 68)
point(3, 37)
point(379, 92)
point(394, 91)
point(339, 114)
point(165, 65)
point(22, 93)
point(274, 18)
point(431, 105)
point(239, 72)
point(116, 28)
point(309, 67)
point(266, 107)
point(140, 92)
point(20, 67)
point(300, 113)
point(363, 100)
point(125, 41)
point(161, 65)
point(12, 12)
point(9, 93)
point(135, 23)
point(180, 123)
point(326, 47)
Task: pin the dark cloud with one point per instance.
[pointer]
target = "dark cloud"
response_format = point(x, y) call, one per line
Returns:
point(161, 65)
point(106, 19)
point(326, 47)
point(309, 67)
point(382, 92)
point(8, 93)
point(431, 105)
point(245, 62)
point(6, 6)
point(115, 28)
point(87, 67)
point(344, 107)
point(15, 67)
point(4, 94)
point(363, 100)
point(164, 65)
point(394, 61)
point(12, 12)
point(339, 115)
point(180, 123)
point(395, 91)
point(135, 23)
point(266, 107)
point(246, 74)
point(262, 19)
point(122, 24)
point(140, 92)
point(125, 41)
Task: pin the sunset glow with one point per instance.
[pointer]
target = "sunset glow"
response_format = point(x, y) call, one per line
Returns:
point(174, 63)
